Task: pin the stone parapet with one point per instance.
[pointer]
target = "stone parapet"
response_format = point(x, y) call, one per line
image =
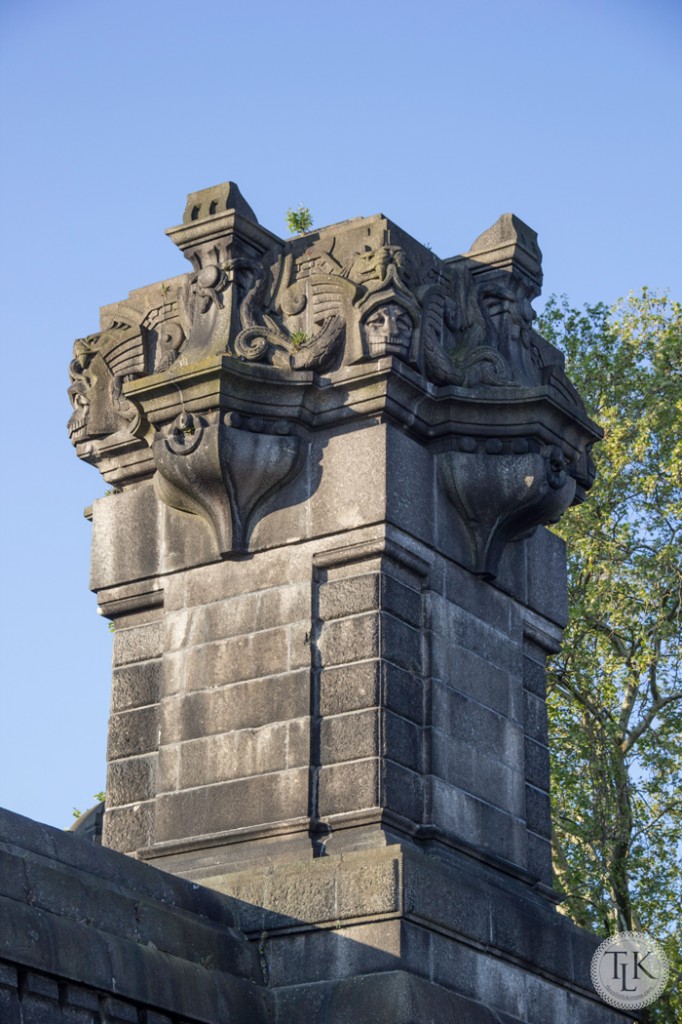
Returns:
point(91, 936)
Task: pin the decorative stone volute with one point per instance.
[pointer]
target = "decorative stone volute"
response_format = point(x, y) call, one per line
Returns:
point(214, 381)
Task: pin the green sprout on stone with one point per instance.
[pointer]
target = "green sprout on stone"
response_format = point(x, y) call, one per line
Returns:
point(298, 338)
point(299, 221)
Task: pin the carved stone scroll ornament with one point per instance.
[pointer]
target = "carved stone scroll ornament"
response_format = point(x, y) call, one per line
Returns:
point(223, 468)
point(451, 343)
point(305, 326)
point(502, 490)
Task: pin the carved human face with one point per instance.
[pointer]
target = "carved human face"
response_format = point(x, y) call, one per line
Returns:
point(388, 330)
point(77, 425)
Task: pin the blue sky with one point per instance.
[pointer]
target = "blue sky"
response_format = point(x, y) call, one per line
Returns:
point(440, 115)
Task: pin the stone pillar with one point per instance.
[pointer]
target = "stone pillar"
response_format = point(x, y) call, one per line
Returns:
point(332, 459)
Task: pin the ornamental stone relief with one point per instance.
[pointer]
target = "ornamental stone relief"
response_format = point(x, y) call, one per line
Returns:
point(212, 382)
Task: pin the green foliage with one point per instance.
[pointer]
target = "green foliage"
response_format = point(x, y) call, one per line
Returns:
point(299, 221)
point(99, 797)
point(298, 338)
point(615, 690)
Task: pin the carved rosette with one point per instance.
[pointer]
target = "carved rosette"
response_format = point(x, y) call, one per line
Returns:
point(223, 467)
point(502, 490)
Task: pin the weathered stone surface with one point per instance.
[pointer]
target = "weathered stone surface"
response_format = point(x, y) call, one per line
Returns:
point(236, 804)
point(332, 460)
point(136, 685)
point(244, 705)
point(97, 936)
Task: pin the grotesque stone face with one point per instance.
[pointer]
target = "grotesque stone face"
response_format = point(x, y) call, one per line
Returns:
point(77, 425)
point(388, 330)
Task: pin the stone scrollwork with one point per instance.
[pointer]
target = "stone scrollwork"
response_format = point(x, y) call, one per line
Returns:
point(305, 325)
point(223, 467)
point(502, 488)
point(451, 334)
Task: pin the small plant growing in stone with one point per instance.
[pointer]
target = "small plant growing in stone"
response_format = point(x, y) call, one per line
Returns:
point(299, 221)
point(298, 338)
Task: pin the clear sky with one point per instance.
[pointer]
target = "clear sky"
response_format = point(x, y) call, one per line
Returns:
point(442, 115)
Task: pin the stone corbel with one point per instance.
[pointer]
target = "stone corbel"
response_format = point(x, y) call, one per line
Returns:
point(223, 467)
point(502, 490)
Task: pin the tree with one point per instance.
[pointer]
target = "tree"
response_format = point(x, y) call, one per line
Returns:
point(615, 690)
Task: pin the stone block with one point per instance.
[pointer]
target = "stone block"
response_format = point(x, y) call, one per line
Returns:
point(138, 643)
point(129, 828)
point(8, 976)
point(404, 791)
point(13, 880)
point(246, 705)
point(538, 812)
point(120, 554)
point(10, 1007)
point(77, 996)
point(277, 796)
point(403, 693)
point(350, 736)
point(367, 886)
point(482, 599)
point(352, 484)
point(136, 685)
point(40, 985)
point(322, 954)
point(350, 639)
point(348, 786)
point(465, 765)
point(340, 598)
point(244, 752)
point(467, 721)
point(459, 628)
point(386, 997)
point(401, 645)
point(546, 563)
point(233, 660)
point(237, 615)
point(477, 822)
point(349, 687)
point(534, 677)
point(539, 861)
point(536, 756)
point(535, 717)
point(465, 672)
point(452, 900)
point(131, 780)
point(116, 1010)
point(133, 732)
point(410, 508)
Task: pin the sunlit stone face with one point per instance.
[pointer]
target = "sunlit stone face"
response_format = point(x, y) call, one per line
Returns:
point(388, 330)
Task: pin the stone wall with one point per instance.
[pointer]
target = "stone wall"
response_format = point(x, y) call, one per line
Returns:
point(88, 936)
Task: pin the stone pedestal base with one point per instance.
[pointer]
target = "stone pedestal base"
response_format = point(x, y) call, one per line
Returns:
point(400, 935)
